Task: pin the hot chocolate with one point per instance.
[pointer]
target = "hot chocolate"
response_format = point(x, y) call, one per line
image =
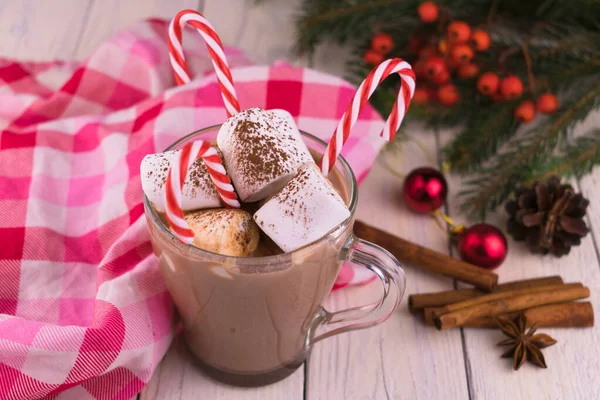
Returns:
point(247, 320)
point(249, 287)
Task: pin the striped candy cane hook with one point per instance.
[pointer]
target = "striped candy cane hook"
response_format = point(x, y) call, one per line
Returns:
point(180, 164)
point(215, 49)
point(365, 90)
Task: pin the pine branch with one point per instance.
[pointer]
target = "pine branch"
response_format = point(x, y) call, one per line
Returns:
point(495, 182)
point(577, 158)
point(341, 20)
point(485, 132)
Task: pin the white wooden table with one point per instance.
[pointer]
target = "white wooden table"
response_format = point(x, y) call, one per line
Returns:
point(401, 359)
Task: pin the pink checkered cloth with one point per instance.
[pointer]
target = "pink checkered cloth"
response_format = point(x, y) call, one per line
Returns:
point(84, 313)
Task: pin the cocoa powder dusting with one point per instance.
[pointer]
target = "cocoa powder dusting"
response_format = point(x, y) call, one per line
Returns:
point(262, 157)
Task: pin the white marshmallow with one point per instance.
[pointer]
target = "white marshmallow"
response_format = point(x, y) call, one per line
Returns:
point(262, 151)
point(198, 189)
point(305, 210)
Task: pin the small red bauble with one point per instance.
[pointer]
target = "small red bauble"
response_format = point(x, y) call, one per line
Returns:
point(483, 245)
point(372, 57)
point(383, 43)
point(428, 12)
point(525, 112)
point(448, 95)
point(467, 71)
point(547, 103)
point(511, 87)
point(488, 83)
point(425, 190)
point(421, 96)
point(481, 40)
point(461, 53)
point(435, 66)
point(459, 32)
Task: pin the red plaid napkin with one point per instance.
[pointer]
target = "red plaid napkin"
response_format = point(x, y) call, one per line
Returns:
point(83, 311)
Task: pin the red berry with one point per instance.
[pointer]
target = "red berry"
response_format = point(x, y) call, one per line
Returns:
point(459, 32)
point(441, 78)
point(511, 87)
point(547, 103)
point(443, 46)
point(488, 83)
point(481, 40)
point(427, 52)
point(435, 66)
point(372, 57)
point(467, 71)
point(461, 54)
point(428, 12)
point(525, 112)
point(419, 68)
point(383, 43)
point(448, 94)
point(497, 97)
point(421, 96)
point(414, 44)
point(451, 64)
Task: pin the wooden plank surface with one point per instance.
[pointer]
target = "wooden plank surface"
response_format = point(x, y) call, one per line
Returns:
point(401, 359)
point(41, 30)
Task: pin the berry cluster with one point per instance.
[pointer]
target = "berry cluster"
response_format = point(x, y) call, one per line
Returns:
point(451, 52)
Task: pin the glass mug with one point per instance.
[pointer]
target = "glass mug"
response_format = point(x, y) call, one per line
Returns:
point(252, 321)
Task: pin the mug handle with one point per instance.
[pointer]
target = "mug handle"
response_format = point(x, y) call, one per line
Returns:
point(388, 270)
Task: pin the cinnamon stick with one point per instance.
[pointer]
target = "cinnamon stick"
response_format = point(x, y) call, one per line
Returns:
point(516, 303)
point(427, 259)
point(563, 315)
point(431, 313)
point(417, 302)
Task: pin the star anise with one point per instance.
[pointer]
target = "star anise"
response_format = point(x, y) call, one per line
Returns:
point(524, 345)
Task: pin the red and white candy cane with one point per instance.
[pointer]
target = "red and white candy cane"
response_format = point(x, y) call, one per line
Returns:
point(180, 164)
point(215, 49)
point(365, 90)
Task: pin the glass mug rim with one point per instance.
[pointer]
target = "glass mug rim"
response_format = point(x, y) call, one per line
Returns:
point(255, 261)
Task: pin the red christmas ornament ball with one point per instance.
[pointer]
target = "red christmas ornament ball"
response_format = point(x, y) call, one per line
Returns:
point(425, 190)
point(382, 42)
point(483, 245)
point(373, 57)
point(428, 12)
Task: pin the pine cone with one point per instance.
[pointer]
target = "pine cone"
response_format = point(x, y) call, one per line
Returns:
point(548, 217)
